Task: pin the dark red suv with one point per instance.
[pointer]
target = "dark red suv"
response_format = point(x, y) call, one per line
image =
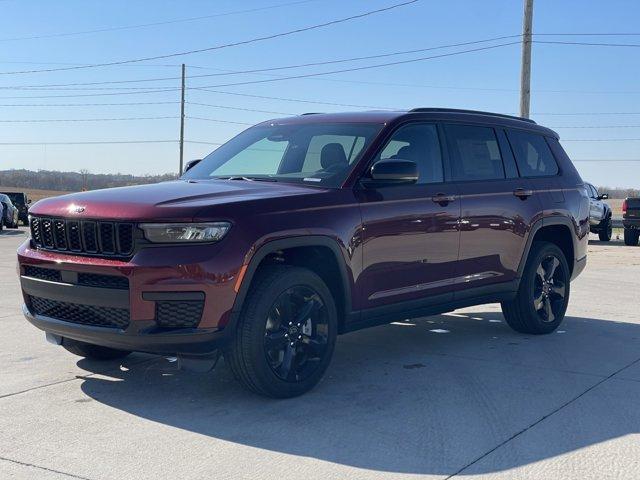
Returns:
point(303, 228)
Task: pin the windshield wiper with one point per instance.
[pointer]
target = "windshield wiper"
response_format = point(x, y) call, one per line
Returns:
point(250, 179)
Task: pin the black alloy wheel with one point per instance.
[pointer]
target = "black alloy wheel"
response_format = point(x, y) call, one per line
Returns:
point(549, 289)
point(296, 334)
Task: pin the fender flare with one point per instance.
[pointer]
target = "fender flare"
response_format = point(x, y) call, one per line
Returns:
point(293, 242)
point(546, 222)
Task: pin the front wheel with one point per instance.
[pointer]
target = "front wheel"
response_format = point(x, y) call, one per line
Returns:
point(92, 352)
point(606, 230)
point(542, 298)
point(286, 333)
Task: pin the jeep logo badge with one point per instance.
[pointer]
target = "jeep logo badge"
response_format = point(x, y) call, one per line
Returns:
point(76, 209)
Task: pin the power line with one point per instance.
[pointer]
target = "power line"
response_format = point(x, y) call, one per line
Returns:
point(64, 120)
point(217, 120)
point(601, 140)
point(93, 94)
point(611, 160)
point(83, 104)
point(587, 34)
point(227, 45)
point(97, 142)
point(238, 108)
point(354, 69)
point(295, 100)
point(154, 24)
point(590, 44)
point(597, 126)
point(268, 69)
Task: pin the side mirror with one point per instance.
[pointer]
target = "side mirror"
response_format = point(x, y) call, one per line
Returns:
point(393, 171)
point(604, 196)
point(190, 164)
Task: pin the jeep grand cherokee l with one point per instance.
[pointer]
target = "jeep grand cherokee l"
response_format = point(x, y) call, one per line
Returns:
point(302, 228)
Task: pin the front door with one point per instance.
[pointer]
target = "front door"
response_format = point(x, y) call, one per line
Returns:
point(410, 231)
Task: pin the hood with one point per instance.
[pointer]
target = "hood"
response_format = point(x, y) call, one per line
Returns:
point(168, 201)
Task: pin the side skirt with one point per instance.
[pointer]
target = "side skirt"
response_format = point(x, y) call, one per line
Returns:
point(433, 305)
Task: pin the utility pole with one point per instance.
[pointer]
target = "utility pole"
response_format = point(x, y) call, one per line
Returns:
point(525, 68)
point(182, 123)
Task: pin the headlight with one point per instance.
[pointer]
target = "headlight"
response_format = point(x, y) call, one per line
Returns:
point(185, 232)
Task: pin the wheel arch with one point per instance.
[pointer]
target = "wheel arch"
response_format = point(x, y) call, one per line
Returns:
point(557, 230)
point(295, 247)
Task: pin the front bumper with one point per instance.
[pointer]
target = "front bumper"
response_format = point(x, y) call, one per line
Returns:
point(177, 276)
point(138, 337)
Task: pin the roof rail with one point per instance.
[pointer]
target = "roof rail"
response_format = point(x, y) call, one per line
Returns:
point(311, 113)
point(458, 110)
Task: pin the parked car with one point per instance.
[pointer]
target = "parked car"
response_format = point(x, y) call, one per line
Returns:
point(11, 214)
point(631, 220)
point(600, 220)
point(1, 217)
point(302, 228)
point(21, 202)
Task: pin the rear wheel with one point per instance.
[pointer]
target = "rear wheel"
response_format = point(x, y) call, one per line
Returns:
point(606, 230)
point(286, 333)
point(93, 352)
point(542, 298)
point(631, 237)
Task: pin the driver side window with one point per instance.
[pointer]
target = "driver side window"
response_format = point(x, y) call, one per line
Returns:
point(419, 143)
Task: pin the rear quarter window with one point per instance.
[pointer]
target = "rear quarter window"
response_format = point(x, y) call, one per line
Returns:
point(533, 155)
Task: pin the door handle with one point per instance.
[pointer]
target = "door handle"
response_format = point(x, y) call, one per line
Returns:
point(443, 199)
point(522, 194)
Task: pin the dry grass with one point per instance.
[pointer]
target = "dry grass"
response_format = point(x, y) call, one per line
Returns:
point(33, 193)
point(616, 206)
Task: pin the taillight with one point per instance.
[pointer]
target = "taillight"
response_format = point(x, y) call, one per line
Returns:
point(624, 206)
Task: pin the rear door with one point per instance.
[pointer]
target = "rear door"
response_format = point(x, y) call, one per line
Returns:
point(497, 206)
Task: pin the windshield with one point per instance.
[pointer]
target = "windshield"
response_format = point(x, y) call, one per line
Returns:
point(316, 154)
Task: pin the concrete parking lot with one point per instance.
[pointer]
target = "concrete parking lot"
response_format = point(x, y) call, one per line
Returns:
point(451, 395)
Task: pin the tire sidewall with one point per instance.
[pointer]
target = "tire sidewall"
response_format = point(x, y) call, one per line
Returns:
point(254, 327)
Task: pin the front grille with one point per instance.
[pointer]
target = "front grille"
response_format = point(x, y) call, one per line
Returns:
point(179, 313)
point(81, 314)
point(103, 281)
point(86, 237)
point(42, 273)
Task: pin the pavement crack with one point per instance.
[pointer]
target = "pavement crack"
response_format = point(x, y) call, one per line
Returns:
point(542, 419)
point(39, 467)
point(66, 380)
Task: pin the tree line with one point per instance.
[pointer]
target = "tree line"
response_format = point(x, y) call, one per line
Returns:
point(74, 181)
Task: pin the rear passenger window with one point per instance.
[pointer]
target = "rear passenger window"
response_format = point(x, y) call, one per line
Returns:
point(474, 153)
point(533, 155)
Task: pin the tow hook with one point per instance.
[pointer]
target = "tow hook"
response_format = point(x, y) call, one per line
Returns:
point(198, 363)
point(55, 339)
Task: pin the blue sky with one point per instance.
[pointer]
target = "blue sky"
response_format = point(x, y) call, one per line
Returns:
point(566, 79)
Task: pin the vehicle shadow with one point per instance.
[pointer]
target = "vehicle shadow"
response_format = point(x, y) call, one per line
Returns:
point(425, 396)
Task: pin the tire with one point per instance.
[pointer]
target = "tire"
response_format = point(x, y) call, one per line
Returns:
point(271, 356)
point(631, 237)
point(543, 295)
point(92, 352)
point(606, 230)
